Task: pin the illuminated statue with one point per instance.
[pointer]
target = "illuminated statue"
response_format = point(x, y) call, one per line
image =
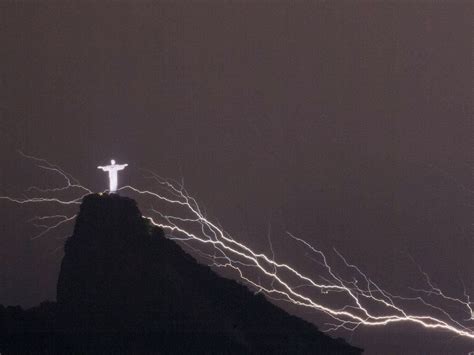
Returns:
point(112, 169)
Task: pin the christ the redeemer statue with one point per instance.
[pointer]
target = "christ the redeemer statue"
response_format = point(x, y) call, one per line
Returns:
point(112, 169)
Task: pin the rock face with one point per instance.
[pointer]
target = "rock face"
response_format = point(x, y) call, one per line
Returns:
point(125, 288)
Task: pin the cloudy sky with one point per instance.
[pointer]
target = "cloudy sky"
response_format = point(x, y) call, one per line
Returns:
point(349, 125)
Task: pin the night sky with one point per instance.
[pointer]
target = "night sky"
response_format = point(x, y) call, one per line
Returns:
point(349, 125)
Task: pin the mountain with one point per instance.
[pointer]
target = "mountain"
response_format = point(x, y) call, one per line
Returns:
point(125, 288)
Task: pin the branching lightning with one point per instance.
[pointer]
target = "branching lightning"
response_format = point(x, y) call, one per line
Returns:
point(349, 301)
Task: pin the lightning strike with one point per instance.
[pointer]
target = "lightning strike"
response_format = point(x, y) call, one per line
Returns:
point(360, 300)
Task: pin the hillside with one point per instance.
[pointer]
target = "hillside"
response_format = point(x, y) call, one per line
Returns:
point(125, 288)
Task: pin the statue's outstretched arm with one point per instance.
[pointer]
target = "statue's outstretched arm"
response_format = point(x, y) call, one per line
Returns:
point(101, 167)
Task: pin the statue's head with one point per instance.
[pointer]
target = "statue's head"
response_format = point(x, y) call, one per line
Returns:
point(112, 162)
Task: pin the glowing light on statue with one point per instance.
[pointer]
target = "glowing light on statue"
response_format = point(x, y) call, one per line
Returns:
point(112, 169)
point(351, 301)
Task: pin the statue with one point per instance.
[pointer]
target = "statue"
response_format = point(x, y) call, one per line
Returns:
point(112, 169)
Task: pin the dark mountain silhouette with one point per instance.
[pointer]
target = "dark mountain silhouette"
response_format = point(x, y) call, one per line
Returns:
point(125, 288)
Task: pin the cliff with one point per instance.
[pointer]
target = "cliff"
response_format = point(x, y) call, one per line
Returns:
point(125, 288)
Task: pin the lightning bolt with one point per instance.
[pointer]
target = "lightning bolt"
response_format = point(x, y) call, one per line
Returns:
point(350, 301)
